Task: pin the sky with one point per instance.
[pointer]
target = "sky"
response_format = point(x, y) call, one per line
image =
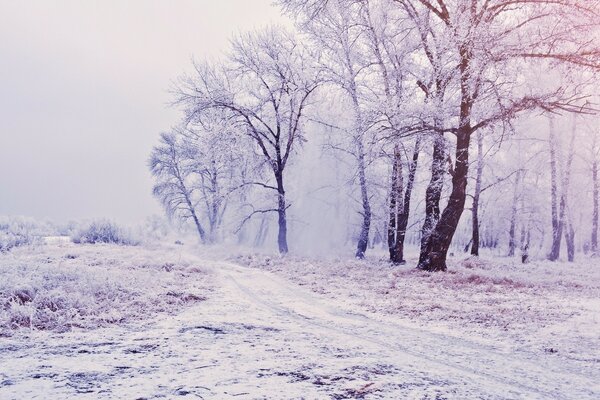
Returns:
point(84, 93)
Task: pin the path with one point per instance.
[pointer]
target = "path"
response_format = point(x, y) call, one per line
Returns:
point(259, 336)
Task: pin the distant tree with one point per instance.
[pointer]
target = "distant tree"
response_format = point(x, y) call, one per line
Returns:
point(263, 88)
point(220, 166)
point(343, 58)
point(560, 202)
point(173, 167)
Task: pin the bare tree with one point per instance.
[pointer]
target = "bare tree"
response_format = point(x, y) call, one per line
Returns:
point(342, 57)
point(476, 196)
point(560, 195)
point(264, 90)
point(485, 37)
point(220, 166)
point(172, 166)
point(512, 235)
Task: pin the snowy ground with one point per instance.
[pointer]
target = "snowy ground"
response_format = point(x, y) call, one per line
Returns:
point(337, 329)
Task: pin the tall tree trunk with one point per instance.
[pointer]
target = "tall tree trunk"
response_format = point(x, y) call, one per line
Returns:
point(512, 240)
point(215, 203)
point(570, 239)
point(201, 232)
point(433, 258)
point(281, 213)
point(259, 239)
point(596, 193)
point(395, 203)
point(191, 208)
point(402, 220)
point(565, 211)
point(525, 225)
point(476, 195)
point(363, 239)
point(433, 194)
point(525, 239)
point(556, 220)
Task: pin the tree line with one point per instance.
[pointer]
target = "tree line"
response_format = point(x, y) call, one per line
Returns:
point(417, 97)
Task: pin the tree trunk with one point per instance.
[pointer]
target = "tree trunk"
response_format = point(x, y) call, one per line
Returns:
point(476, 195)
point(433, 194)
point(363, 239)
point(281, 213)
point(525, 226)
point(512, 240)
point(395, 204)
point(433, 258)
point(596, 193)
point(570, 239)
point(259, 239)
point(191, 209)
point(402, 220)
point(556, 220)
point(525, 238)
point(566, 217)
point(201, 232)
point(562, 218)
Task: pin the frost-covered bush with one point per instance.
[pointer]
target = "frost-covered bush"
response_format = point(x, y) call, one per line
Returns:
point(104, 231)
point(8, 240)
point(20, 231)
point(154, 229)
point(57, 288)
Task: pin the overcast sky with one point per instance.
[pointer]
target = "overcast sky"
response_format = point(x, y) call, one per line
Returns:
point(83, 92)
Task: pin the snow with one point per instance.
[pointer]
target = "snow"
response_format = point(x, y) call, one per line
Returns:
point(62, 286)
point(298, 328)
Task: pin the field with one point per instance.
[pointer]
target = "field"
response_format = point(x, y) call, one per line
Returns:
point(108, 321)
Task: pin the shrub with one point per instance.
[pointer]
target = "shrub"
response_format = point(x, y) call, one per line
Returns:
point(18, 231)
point(103, 231)
point(53, 288)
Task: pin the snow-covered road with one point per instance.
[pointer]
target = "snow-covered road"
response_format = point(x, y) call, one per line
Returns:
point(259, 336)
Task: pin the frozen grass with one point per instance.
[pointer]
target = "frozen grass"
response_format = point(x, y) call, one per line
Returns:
point(541, 306)
point(19, 231)
point(59, 287)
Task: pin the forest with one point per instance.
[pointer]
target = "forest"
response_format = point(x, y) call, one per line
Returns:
point(449, 126)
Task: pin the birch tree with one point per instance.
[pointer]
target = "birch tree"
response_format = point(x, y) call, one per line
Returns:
point(342, 57)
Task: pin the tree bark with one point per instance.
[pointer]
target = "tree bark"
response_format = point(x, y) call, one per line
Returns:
point(403, 215)
point(570, 239)
point(556, 220)
point(525, 239)
point(363, 239)
point(476, 195)
point(281, 214)
point(433, 194)
point(433, 258)
point(596, 193)
point(192, 211)
point(566, 217)
point(395, 203)
point(512, 240)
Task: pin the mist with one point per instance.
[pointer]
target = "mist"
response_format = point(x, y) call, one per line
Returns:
point(85, 92)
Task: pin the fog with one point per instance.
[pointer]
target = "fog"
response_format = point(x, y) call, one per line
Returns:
point(85, 92)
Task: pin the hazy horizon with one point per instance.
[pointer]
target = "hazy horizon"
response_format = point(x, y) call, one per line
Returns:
point(85, 93)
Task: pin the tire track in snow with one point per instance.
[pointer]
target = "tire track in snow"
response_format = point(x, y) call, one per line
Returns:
point(456, 358)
